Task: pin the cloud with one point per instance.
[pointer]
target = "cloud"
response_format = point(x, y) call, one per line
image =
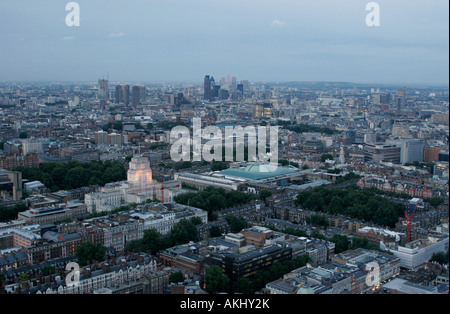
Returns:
point(277, 23)
point(69, 38)
point(116, 35)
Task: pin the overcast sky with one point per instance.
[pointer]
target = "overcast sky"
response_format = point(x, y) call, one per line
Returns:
point(258, 40)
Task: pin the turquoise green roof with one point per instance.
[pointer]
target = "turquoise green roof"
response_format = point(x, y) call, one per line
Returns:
point(257, 171)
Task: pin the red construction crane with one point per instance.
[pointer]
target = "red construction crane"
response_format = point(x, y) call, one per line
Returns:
point(408, 222)
point(166, 188)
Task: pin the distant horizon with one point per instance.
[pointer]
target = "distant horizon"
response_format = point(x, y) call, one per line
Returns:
point(200, 82)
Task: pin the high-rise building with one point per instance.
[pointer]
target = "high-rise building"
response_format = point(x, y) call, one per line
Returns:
point(16, 179)
point(126, 95)
point(401, 99)
point(240, 87)
point(136, 94)
point(233, 82)
point(412, 150)
point(207, 88)
point(119, 94)
point(142, 92)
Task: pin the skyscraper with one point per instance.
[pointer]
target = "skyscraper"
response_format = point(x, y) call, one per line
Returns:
point(126, 95)
point(240, 87)
point(233, 82)
point(207, 88)
point(136, 94)
point(401, 99)
point(119, 94)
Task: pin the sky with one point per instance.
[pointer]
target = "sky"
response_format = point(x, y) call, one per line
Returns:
point(255, 40)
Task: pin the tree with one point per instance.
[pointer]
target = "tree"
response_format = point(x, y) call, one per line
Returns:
point(317, 220)
point(176, 277)
point(151, 241)
point(326, 157)
point(440, 257)
point(215, 232)
point(265, 194)
point(196, 221)
point(48, 270)
point(243, 285)
point(118, 125)
point(358, 242)
point(341, 242)
point(216, 280)
point(88, 252)
point(236, 223)
point(23, 134)
point(183, 232)
point(8, 213)
point(219, 166)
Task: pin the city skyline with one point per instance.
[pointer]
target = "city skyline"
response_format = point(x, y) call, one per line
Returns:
point(263, 41)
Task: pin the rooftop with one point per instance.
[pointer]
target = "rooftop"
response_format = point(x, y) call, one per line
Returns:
point(257, 171)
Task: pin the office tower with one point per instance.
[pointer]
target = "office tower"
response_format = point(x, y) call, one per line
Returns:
point(233, 82)
point(103, 89)
point(119, 94)
point(126, 95)
point(215, 91)
point(212, 88)
point(401, 99)
point(142, 92)
point(262, 110)
point(380, 152)
point(412, 150)
point(16, 179)
point(240, 87)
point(136, 94)
point(246, 86)
point(207, 88)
